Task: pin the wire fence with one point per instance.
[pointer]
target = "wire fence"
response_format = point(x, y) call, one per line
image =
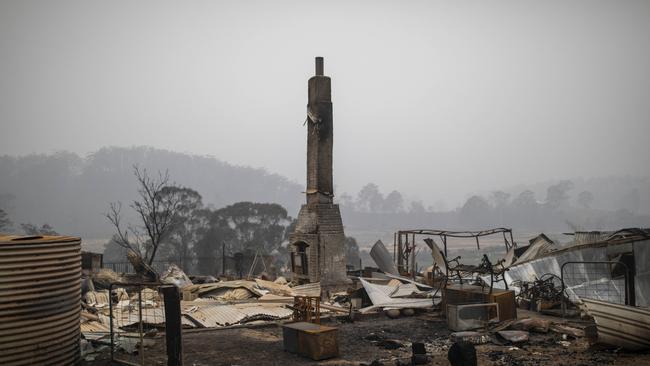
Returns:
point(237, 265)
point(137, 323)
point(598, 280)
point(127, 267)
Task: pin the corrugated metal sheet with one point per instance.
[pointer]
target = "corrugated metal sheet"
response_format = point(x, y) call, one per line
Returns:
point(586, 237)
point(406, 289)
point(263, 312)
point(213, 315)
point(590, 280)
point(382, 258)
point(380, 297)
point(274, 288)
point(94, 326)
point(40, 297)
point(204, 290)
point(538, 246)
point(309, 289)
point(128, 317)
point(621, 325)
point(421, 286)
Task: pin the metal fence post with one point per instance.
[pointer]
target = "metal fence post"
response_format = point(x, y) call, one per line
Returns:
point(140, 327)
point(110, 314)
point(172, 300)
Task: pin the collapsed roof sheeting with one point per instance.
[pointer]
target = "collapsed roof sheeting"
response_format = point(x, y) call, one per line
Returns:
point(216, 315)
point(421, 286)
point(175, 276)
point(308, 289)
point(205, 290)
point(590, 237)
point(539, 246)
point(274, 288)
point(380, 295)
point(585, 280)
point(406, 290)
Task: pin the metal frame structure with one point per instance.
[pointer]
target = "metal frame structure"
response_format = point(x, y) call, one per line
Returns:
point(403, 250)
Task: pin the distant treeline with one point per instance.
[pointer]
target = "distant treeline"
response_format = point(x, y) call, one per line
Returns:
point(71, 193)
point(563, 207)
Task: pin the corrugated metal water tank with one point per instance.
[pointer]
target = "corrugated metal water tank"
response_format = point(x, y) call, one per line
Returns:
point(40, 300)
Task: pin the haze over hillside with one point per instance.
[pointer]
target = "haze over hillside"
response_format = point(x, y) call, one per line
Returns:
point(434, 99)
point(71, 193)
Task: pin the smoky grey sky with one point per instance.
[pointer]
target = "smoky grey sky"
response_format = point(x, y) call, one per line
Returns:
point(435, 99)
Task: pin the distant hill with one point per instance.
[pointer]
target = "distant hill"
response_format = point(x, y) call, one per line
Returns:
point(71, 192)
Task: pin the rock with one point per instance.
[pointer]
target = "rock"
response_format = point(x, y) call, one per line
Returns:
point(514, 336)
point(392, 313)
point(408, 312)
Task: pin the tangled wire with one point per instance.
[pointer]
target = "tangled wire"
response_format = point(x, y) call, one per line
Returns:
point(548, 287)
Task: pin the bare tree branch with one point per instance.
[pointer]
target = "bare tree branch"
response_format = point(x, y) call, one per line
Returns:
point(157, 211)
point(114, 215)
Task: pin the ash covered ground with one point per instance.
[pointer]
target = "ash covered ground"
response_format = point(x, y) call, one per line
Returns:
point(379, 340)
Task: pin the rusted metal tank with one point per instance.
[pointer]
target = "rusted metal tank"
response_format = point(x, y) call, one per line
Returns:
point(40, 300)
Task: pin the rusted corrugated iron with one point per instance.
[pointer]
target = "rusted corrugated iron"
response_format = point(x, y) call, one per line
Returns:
point(40, 297)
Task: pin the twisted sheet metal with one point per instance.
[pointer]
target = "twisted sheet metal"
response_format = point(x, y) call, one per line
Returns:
point(217, 315)
point(40, 297)
point(620, 325)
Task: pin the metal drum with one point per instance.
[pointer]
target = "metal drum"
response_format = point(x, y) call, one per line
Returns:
point(40, 300)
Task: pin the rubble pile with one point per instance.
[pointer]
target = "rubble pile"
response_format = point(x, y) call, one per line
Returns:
point(211, 304)
point(519, 314)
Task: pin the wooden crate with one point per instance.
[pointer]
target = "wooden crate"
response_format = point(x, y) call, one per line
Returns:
point(315, 341)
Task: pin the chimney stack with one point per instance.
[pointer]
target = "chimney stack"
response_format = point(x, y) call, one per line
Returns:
point(320, 68)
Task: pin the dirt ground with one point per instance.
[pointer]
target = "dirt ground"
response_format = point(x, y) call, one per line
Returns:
point(383, 341)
